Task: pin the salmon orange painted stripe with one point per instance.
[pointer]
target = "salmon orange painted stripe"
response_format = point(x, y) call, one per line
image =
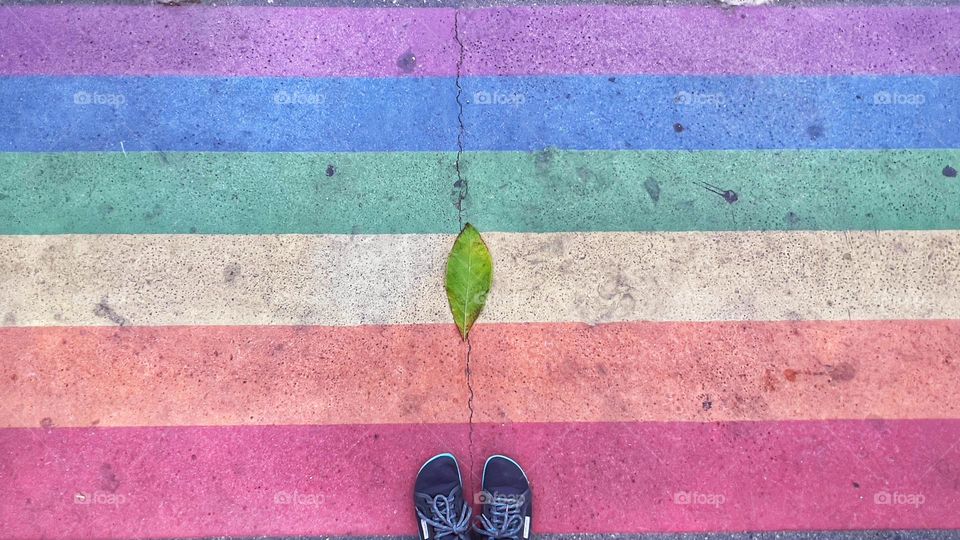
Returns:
point(143, 376)
point(161, 482)
point(334, 280)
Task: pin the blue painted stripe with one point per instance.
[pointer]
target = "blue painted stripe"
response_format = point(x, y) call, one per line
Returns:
point(523, 113)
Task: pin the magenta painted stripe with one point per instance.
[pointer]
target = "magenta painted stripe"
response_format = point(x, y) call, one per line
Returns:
point(596, 477)
point(498, 41)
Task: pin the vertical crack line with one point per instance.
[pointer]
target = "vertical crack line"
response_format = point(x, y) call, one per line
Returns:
point(461, 183)
point(461, 186)
point(469, 377)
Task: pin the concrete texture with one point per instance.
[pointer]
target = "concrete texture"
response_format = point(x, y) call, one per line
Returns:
point(470, 4)
point(543, 40)
point(225, 480)
point(151, 280)
point(530, 113)
point(400, 192)
point(782, 535)
point(269, 375)
point(189, 385)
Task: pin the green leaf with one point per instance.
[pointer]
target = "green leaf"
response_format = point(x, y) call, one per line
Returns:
point(469, 275)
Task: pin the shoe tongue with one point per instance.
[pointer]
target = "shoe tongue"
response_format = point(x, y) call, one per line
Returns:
point(445, 489)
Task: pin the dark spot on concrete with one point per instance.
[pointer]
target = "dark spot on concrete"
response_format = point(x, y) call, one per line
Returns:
point(844, 371)
point(13, 377)
point(108, 479)
point(544, 159)
point(230, 272)
point(458, 194)
point(153, 214)
point(653, 189)
point(678, 128)
point(769, 380)
point(728, 194)
point(331, 170)
point(105, 311)
point(707, 404)
point(612, 79)
point(46, 423)
point(790, 375)
point(792, 219)
point(106, 208)
point(95, 422)
point(193, 457)
point(949, 172)
point(566, 96)
point(193, 230)
point(407, 62)
point(10, 319)
point(855, 485)
point(815, 131)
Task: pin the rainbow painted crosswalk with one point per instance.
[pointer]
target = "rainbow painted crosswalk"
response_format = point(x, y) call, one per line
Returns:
point(726, 245)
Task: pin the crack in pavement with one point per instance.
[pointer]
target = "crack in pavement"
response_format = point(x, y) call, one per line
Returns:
point(461, 185)
point(470, 408)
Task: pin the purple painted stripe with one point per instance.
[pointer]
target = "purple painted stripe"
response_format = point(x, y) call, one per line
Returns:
point(707, 41)
point(349, 42)
point(244, 41)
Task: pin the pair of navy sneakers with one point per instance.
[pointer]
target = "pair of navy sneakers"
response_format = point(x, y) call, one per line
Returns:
point(443, 513)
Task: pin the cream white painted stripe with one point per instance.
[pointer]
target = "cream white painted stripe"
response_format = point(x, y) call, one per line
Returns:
point(557, 277)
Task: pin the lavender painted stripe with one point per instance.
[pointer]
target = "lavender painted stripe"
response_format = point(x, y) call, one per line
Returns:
point(708, 41)
point(498, 41)
point(236, 41)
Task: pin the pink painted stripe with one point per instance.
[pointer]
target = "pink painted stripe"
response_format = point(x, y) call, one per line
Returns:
point(263, 41)
point(591, 477)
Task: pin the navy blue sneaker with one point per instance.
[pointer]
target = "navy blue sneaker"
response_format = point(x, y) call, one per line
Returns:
point(442, 512)
point(506, 501)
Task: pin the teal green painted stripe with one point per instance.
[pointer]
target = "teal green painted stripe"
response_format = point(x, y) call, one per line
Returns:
point(226, 193)
point(666, 191)
point(264, 193)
